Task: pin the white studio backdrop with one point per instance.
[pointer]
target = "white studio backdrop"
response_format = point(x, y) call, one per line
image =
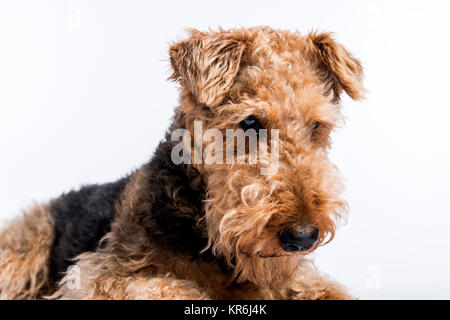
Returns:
point(84, 99)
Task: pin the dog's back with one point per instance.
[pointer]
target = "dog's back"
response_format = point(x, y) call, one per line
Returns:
point(81, 218)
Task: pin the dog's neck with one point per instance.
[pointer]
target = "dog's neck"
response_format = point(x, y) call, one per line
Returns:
point(176, 204)
point(163, 204)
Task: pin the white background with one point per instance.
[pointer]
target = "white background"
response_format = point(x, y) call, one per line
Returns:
point(84, 99)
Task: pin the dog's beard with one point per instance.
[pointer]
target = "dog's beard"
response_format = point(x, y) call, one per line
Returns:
point(244, 221)
point(268, 272)
point(256, 257)
point(243, 237)
point(237, 220)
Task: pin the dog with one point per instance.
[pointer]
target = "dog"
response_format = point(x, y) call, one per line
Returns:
point(185, 227)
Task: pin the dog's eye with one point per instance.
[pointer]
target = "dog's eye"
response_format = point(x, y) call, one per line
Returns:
point(251, 123)
point(315, 125)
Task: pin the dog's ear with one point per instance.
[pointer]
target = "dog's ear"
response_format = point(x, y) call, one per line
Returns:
point(337, 68)
point(206, 64)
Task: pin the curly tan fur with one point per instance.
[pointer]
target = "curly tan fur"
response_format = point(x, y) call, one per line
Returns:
point(25, 246)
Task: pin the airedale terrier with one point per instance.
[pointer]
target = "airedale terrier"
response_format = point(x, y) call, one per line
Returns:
point(200, 229)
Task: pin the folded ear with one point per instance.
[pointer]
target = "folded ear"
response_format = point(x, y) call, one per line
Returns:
point(206, 64)
point(336, 66)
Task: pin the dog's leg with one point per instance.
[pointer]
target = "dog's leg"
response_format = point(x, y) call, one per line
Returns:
point(161, 288)
point(310, 284)
point(25, 247)
point(88, 279)
point(133, 288)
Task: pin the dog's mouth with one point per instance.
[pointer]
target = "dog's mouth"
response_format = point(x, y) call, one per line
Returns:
point(263, 255)
point(287, 254)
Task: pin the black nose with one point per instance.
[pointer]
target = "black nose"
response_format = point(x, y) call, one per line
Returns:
point(292, 240)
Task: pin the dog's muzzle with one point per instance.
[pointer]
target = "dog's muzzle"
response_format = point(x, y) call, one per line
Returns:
point(293, 241)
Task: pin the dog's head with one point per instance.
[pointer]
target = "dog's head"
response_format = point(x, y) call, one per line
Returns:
point(267, 204)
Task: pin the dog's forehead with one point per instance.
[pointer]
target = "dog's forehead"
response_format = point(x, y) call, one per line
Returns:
point(279, 54)
point(282, 86)
point(278, 75)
